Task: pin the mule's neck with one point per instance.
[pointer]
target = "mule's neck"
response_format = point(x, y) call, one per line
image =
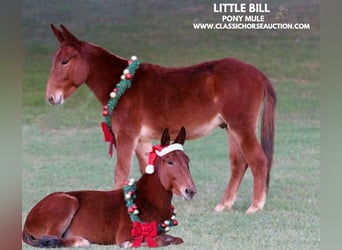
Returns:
point(105, 70)
point(153, 196)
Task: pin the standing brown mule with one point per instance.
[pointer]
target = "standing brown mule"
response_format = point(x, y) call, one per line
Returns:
point(80, 218)
point(226, 93)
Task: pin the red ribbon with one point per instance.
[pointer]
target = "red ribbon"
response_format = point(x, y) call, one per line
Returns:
point(144, 231)
point(108, 137)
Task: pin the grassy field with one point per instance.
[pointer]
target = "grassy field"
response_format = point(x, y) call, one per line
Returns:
point(63, 146)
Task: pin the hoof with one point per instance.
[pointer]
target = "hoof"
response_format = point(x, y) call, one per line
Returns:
point(176, 241)
point(126, 244)
point(253, 209)
point(219, 208)
point(49, 242)
point(165, 240)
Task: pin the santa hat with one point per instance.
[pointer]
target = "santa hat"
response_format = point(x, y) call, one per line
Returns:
point(158, 150)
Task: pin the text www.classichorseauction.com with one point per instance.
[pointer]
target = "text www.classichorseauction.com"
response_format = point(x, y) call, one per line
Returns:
point(239, 16)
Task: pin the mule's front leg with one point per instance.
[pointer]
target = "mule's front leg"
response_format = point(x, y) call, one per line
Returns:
point(165, 240)
point(125, 147)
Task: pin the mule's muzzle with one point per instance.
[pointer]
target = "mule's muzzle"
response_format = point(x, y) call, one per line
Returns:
point(188, 193)
point(56, 99)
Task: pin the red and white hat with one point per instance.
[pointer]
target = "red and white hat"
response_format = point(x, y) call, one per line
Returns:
point(160, 151)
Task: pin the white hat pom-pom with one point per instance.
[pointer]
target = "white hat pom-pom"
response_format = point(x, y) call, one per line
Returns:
point(149, 169)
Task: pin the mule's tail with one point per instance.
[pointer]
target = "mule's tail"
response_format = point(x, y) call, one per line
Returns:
point(44, 242)
point(268, 125)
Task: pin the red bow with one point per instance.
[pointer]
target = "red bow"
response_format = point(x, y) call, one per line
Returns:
point(108, 137)
point(147, 231)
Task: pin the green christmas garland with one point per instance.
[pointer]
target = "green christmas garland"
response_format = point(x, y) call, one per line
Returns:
point(120, 89)
point(129, 196)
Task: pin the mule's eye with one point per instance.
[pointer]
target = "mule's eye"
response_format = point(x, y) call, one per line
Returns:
point(64, 62)
point(170, 163)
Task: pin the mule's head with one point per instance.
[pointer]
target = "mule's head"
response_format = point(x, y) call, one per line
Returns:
point(173, 166)
point(69, 68)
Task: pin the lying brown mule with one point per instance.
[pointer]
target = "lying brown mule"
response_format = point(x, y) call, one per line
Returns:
point(140, 213)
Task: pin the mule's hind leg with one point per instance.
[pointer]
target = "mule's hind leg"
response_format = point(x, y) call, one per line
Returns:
point(257, 161)
point(75, 241)
point(142, 150)
point(49, 219)
point(238, 167)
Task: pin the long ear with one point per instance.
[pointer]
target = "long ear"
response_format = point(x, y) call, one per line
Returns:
point(181, 136)
point(68, 36)
point(58, 33)
point(165, 139)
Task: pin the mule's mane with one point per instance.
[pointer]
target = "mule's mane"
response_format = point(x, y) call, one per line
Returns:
point(104, 68)
point(152, 195)
point(153, 182)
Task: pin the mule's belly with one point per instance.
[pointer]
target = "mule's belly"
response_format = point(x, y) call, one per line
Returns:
point(202, 129)
point(194, 128)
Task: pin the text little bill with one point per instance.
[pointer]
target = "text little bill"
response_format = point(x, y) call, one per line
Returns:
point(241, 8)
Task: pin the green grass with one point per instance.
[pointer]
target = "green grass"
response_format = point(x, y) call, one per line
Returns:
point(63, 146)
